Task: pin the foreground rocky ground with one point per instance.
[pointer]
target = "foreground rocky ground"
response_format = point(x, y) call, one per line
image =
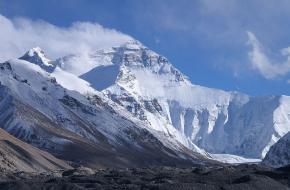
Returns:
point(199, 177)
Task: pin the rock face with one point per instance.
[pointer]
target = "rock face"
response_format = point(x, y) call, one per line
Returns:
point(279, 153)
point(16, 155)
point(155, 92)
point(86, 129)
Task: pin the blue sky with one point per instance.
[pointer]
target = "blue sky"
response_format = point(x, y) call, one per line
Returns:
point(226, 44)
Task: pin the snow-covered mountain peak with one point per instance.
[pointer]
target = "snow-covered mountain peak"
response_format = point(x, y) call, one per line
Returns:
point(151, 88)
point(36, 50)
point(155, 92)
point(37, 56)
point(134, 54)
point(133, 59)
point(50, 114)
point(121, 65)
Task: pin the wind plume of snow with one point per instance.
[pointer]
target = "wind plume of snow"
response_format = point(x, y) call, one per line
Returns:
point(20, 34)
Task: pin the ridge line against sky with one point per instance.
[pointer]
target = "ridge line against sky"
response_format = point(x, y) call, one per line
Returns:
point(222, 44)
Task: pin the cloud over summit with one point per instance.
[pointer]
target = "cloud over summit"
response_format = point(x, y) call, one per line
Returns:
point(21, 34)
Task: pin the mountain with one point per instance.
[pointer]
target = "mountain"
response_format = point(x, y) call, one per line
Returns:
point(37, 56)
point(16, 155)
point(147, 85)
point(61, 114)
point(279, 154)
point(128, 106)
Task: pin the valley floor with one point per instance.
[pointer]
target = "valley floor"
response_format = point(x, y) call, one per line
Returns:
point(244, 176)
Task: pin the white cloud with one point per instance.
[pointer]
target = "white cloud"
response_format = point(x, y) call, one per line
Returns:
point(19, 35)
point(267, 67)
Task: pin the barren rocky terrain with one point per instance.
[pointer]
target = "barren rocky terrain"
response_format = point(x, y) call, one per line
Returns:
point(16, 155)
point(198, 177)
